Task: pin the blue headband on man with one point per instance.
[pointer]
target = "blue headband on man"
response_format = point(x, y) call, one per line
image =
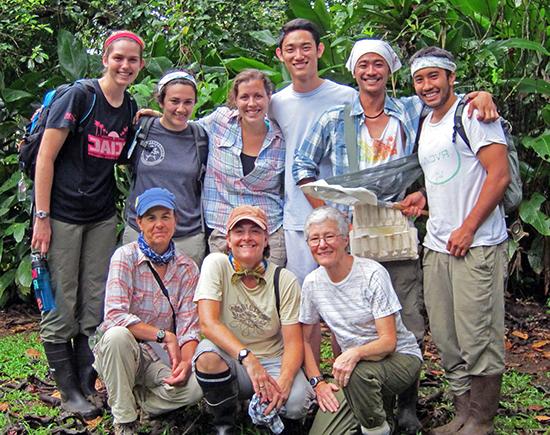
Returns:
point(155, 197)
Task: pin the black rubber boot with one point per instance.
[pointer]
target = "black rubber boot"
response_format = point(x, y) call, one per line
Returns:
point(83, 359)
point(221, 396)
point(407, 421)
point(60, 360)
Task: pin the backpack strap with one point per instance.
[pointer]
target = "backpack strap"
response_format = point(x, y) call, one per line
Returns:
point(417, 138)
point(458, 126)
point(201, 143)
point(144, 125)
point(350, 138)
point(88, 85)
point(276, 285)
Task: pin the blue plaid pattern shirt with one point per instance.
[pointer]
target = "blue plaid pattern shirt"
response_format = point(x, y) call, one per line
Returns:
point(326, 140)
point(226, 186)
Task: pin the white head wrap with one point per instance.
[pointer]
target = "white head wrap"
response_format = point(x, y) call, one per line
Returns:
point(373, 46)
point(173, 76)
point(432, 62)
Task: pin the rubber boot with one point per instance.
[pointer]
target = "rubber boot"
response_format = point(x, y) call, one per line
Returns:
point(483, 405)
point(221, 398)
point(462, 412)
point(407, 421)
point(83, 359)
point(60, 360)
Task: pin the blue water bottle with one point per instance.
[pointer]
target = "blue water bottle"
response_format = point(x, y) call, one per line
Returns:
point(41, 283)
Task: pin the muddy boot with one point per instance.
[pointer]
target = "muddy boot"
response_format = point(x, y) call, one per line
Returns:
point(221, 396)
point(83, 359)
point(60, 360)
point(462, 412)
point(483, 405)
point(407, 421)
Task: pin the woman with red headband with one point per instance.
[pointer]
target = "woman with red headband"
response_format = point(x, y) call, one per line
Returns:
point(75, 217)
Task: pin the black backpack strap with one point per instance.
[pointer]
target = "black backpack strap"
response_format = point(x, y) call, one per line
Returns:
point(276, 286)
point(201, 143)
point(417, 138)
point(88, 85)
point(458, 127)
point(164, 292)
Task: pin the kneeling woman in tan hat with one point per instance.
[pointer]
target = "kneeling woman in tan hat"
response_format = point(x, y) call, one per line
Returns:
point(249, 316)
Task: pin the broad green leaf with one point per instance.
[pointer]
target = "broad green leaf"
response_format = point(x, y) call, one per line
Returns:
point(19, 231)
point(1, 248)
point(73, 58)
point(11, 182)
point(535, 255)
point(323, 15)
point(486, 8)
point(303, 9)
point(529, 85)
point(6, 280)
point(531, 213)
point(512, 247)
point(11, 95)
point(23, 275)
point(158, 65)
point(540, 144)
point(518, 43)
point(241, 63)
point(265, 37)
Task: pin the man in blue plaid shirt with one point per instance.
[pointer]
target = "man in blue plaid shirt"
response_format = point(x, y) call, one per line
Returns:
point(386, 130)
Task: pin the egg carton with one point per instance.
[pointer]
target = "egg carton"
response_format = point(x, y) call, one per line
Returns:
point(382, 234)
point(387, 247)
point(366, 216)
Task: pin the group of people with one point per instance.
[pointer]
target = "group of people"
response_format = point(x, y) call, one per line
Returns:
point(170, 326)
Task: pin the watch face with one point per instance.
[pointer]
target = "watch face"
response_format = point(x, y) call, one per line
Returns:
point(161, 333)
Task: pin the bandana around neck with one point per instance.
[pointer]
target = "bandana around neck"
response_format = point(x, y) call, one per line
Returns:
point(240, 272)
point(152, 255)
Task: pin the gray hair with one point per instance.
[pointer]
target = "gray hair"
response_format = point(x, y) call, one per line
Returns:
point(325, 213)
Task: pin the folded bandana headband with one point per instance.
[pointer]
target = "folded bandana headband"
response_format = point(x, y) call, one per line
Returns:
point(123, 34)
point(377, 46)
point(432, 62)
point(174, 76)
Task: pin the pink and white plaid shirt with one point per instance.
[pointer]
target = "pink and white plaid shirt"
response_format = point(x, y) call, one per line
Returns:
point(133, 295)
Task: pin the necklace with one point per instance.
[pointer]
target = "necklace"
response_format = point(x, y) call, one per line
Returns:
point(375, 116)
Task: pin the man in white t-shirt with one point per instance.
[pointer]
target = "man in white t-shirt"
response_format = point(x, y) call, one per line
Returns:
point(296, 108)
point(465, 256)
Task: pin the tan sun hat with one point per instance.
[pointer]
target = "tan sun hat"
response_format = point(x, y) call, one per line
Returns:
point(250, 213)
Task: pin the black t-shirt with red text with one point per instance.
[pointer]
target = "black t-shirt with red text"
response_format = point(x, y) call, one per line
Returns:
point(83, 189)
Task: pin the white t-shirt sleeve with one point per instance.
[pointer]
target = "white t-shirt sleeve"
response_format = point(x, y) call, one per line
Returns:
point(482, 134)
point(383, 299)
point(308, 312)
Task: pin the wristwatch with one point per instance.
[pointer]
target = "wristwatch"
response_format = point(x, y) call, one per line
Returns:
point(314, 381)
point(161, 333)
point(41, 214)
point(243, 353)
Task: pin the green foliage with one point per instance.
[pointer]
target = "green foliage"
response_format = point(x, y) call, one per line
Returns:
point(501, 46)
point(15, 362)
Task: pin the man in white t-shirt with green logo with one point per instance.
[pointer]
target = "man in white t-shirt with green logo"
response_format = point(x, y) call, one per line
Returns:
point(465, 256)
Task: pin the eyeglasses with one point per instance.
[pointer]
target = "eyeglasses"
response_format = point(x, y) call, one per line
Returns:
point(328, 238)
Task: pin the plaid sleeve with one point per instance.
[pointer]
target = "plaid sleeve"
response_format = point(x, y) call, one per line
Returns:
point(117, 293)
point(187, 314)
point(315, 147)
